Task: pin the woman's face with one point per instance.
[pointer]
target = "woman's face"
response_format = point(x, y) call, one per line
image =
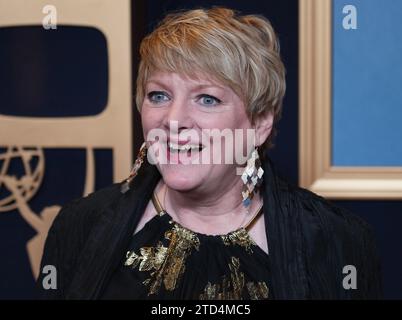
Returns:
point(186, 110)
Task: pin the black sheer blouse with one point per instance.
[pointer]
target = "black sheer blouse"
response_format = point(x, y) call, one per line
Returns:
point(168, 261)
point(91, 243)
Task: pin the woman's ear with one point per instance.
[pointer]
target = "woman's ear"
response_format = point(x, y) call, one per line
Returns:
point(263, 127)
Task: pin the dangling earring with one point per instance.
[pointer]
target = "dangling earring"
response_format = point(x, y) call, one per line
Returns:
point(137, 165)
point(251, 177)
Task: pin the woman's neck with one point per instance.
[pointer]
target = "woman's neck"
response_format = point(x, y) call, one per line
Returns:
point(214, 213)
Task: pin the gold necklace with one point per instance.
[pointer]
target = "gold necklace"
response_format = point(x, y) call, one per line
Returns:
point(161, 210)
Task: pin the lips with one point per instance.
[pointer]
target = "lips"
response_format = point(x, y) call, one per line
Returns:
point(175, 147)
point(183, 146)
point(182, 152)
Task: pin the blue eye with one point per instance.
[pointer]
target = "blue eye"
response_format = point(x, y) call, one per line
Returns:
point(157, 96)
point(208, 100)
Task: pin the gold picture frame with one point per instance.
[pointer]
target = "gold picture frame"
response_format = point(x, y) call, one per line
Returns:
point(316, 172)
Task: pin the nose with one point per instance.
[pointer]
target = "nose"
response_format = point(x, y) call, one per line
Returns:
point(179, 112)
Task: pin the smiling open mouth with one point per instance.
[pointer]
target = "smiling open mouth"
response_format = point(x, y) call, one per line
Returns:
point(189, 148)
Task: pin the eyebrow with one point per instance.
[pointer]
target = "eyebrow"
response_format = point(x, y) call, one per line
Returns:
point(197, 87)
point(156, 82)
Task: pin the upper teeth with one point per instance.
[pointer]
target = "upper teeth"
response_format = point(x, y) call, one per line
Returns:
point(184, 147)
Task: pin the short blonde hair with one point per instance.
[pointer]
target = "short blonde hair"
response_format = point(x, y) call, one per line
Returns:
point(239, 51)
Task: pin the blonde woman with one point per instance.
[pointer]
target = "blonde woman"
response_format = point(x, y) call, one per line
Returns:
point(203, 214)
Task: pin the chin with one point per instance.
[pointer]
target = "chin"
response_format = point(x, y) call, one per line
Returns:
point(181, 177)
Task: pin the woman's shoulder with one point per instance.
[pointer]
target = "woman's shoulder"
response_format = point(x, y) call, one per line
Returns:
point(331, 238)
point(80, 213)
point(69, 233)
point(310, 208)
point(323, 213)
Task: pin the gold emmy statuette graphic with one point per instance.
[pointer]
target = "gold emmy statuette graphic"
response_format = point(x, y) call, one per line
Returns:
point(23, 189)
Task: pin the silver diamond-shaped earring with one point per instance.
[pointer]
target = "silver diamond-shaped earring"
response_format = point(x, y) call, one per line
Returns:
point(251, 177)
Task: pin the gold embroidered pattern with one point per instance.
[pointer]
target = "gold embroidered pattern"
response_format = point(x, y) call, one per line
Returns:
point(239, 237)
point(257, 290)
point(168, 263)
point(231, 289)
point(150, 258)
